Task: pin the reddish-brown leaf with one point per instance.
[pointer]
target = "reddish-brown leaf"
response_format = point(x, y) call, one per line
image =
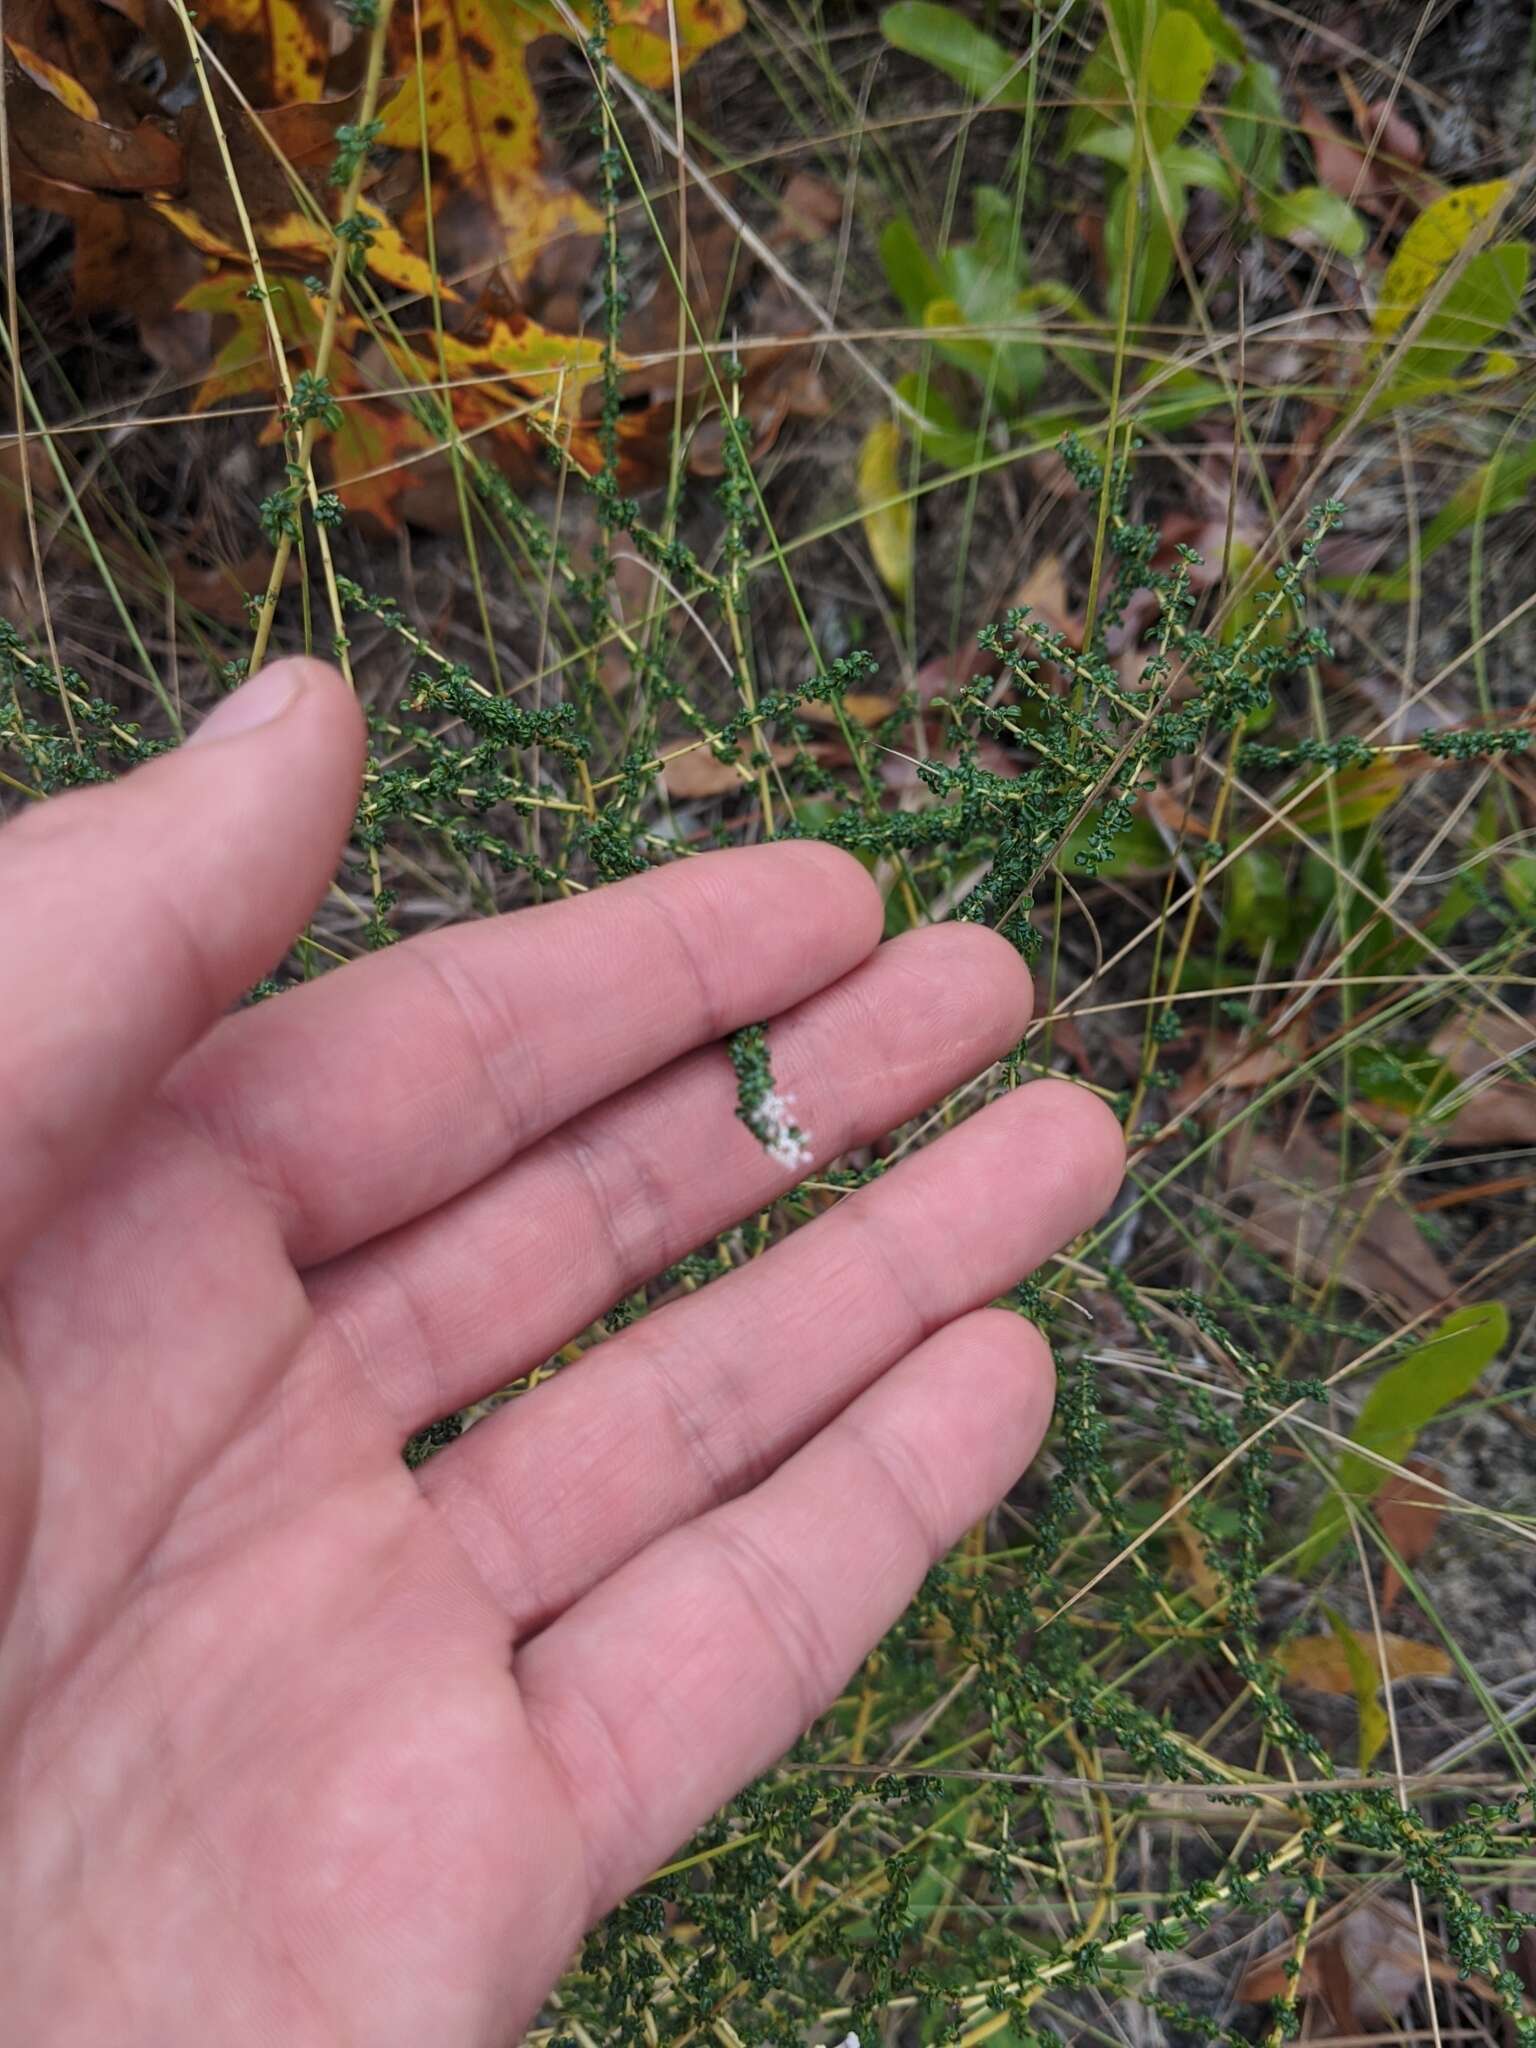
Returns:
point(1297, 1213)
point(1409, 1517)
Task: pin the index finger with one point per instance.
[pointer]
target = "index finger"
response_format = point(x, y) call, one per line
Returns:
point(377, 1093)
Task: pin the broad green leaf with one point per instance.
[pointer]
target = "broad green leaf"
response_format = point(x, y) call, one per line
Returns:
point(1104, 86)
point(1178, 68)
point(1365, 1680)
point(974, 357)
point(1255, 126)
point(999, 237)
point(1131, 23)
point(1187, 164)
point(1432, 242)
point(1312, 216)
point(946, 39)
point(910, 271)
point(941, 436)
point(886, 512)
point(1013, 368)
point(1081, 362)
point(1474, 311)
point(1223, 38)
point(1100, 98)
point(1425, 1381)
point(1155, 247)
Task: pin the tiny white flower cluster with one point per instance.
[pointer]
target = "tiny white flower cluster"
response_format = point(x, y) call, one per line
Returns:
point(786, 1146)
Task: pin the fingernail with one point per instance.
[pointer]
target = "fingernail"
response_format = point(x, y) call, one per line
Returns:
point(265, 697)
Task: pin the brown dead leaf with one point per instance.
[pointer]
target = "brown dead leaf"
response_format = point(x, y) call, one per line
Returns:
point(56, 140)
point(1044, 591)
point(1380, 123)
point(1502, 1109)
point(1225, 1064)
point(1409, 1517)
point(1320, 1662)
point(1341, 163)
point(864, 707)
point(1367, 1960)
point(1364, 1966)
point(1174, 816)
point(1187, 1553)
point(221, 590)
point(73, 48)
point(810, 209)
point(700, 772)
point(1297, 1214)
point(16, 564)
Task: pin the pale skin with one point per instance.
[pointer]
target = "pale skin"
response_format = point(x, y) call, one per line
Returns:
point(298, 1746)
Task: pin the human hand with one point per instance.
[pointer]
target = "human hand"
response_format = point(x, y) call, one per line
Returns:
point(298, 1746)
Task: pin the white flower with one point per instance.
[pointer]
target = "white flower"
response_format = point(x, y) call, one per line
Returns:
point(787, 1147)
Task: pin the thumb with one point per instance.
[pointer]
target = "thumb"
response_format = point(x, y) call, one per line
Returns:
point(132, 915)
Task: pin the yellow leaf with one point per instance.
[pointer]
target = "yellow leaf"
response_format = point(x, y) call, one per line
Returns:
point(1321, 1662)
point(296, 48)
point(244, 363)
point(886, 513)
point(1365, 1678)
point(305, 241)
point(64, 88)
point(1432, 242)
point(640, 42)
point(513, 368)
point(482, 114)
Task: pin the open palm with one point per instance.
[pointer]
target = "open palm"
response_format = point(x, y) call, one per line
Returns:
point(298, 1746)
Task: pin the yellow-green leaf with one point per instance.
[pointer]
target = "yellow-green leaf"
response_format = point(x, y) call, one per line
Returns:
point(1323, 1663)
point(1313, 215)
point(1473, 311)
point(1365, 1678)
point(1440, 1370)
point(1180, 61)
point(886, 512)
point(1432, 242)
